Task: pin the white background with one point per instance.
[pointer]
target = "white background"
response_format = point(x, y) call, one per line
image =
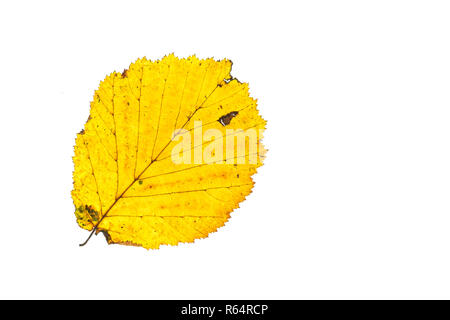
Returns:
point(352, 202)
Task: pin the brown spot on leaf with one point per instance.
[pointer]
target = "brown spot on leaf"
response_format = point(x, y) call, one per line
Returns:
point(107, 236)
point(226, 119)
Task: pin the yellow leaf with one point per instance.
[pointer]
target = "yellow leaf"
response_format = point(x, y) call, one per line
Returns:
point(167, 153)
